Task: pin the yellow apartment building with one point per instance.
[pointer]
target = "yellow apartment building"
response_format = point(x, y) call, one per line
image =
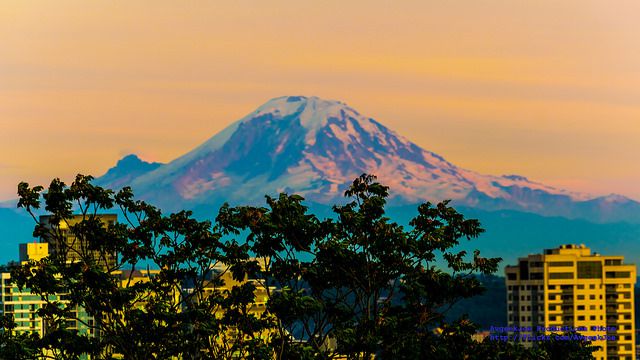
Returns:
point(62, 240)
point(220, 281)
point(571, 288)
point(23, 306)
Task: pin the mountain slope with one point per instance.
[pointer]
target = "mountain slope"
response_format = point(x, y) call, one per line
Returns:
point(316, 147)
point(126, 170)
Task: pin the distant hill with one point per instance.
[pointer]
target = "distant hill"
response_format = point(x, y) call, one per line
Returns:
point(490, 308)
point(15, 227)
point(511, 234)
point(486, 310)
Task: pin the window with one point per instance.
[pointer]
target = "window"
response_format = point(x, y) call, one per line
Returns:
point(618, 274)
point(561, 275)
point(524, 270)
point(536, 276)
point(560, 263)
point(589, 270)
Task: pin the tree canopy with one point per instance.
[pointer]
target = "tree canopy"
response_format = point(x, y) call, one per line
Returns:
point(355, 286)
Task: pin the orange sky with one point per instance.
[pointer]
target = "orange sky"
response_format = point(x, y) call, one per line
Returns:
point(545, 89)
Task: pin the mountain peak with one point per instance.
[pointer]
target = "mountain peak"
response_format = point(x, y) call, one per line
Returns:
point(615, 198)
point(313, 112)
point(127, 169)
point(316, 147)
point(286, 104)
point(301, 143)
point(131, 159)
point(515, 178)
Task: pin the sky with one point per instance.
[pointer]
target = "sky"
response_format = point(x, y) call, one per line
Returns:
point(545, 89)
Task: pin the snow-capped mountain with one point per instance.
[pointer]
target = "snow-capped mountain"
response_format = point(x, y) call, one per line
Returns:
point(316, 148)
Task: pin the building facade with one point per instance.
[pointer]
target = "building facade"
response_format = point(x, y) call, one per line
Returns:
point(63, 242)
point(22, 305)
point(570, 288)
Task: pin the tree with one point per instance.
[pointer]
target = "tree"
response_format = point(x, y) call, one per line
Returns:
point(370, 287)
point(152, 319)
point(355, 286)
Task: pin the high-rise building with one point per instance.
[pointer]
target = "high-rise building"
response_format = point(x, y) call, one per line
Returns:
point(63, 242)
point(571, 288)
point(22, 305)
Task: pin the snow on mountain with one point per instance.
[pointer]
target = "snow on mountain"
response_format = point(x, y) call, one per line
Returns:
point(316, 147)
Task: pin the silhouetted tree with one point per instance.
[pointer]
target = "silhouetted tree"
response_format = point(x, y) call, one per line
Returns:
point(154, 319)
point(357, 286)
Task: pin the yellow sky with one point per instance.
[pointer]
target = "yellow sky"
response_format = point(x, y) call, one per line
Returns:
point(545, 89)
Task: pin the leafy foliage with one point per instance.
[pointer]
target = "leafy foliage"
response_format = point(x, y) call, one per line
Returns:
point(154, 319)
point(357, 286)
